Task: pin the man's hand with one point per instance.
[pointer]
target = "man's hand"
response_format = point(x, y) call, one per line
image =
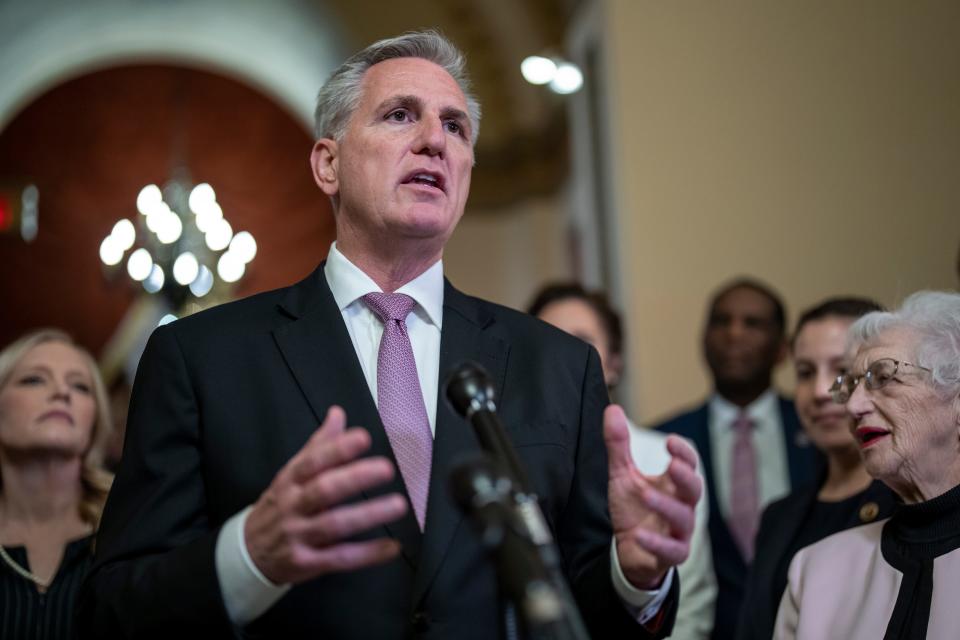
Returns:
point(296, 529)
point(652, 516)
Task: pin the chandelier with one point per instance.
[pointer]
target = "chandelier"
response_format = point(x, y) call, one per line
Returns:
point(180, 245)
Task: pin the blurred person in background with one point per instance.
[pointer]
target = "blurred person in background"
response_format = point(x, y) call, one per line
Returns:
point(896, 578)
point(844, 495)
point(54, 425)
point(749, 438)
point(590, 317)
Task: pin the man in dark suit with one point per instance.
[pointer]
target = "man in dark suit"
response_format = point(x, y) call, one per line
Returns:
point(232, 513)
point(749, 438)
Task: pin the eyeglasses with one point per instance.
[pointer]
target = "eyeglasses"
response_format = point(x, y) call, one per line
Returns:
point(878, 375)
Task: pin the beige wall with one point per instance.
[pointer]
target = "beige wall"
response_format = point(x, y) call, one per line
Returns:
point(505, 255)
point(814, 144)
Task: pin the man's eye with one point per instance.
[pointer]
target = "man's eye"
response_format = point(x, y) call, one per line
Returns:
point(453, 127)
point(719, 320)
point(398, 115)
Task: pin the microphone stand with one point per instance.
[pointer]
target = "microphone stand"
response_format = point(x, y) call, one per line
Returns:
point(495, 493)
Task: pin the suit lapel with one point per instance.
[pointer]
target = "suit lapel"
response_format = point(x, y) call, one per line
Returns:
point(320, 354)
point(464, 338)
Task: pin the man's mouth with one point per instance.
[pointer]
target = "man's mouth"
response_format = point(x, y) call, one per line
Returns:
point(426, 178)
point(868, 436)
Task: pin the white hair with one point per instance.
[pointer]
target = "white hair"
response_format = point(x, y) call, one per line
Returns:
point(340, 94)
point(935, 317)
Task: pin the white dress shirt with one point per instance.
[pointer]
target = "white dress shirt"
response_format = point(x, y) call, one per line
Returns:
point(698, 583)
point(773, 472)
point(247, 593)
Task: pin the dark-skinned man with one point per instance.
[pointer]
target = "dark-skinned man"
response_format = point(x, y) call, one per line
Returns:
point(749, 438)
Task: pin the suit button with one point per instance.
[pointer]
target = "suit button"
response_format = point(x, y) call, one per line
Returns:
point(420, 621)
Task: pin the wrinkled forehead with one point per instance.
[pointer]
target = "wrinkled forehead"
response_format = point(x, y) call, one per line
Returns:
point(898, 343)
point(414, 77)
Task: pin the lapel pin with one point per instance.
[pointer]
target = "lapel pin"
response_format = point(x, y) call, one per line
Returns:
point(869, 511)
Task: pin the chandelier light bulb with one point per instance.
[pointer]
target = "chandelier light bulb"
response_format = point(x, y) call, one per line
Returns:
point(568, 79)
point(124, 234)
point(170, 228)
point(538, 70)
point(154, 281)
point(219, 235)
point(155, 218)
point(139, 264)
point(148, 197)
point(185, 268)
point(207, 215)
point(111, 253)
point(201, 196)
point(202, 283)
point(230, 268)
point(243, 246)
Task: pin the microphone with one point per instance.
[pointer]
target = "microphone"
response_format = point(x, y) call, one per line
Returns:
point(471, 394)
point(485, 494)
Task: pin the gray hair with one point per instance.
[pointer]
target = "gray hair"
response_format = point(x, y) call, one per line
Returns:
point(935, 317)
point(340, 94)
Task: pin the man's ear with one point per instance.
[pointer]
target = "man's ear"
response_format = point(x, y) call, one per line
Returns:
point(325, 163)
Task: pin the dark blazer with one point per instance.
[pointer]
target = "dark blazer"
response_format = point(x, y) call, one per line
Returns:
point(728, 561)
point(779, 526)
point(224, 398)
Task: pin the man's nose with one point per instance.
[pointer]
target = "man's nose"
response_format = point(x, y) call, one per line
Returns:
point(736, 329)
point(432, 139)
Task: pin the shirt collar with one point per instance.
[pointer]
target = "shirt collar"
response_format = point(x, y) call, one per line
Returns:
point(348, 284)
point(759, 410)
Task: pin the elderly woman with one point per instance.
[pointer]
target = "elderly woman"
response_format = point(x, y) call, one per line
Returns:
point(54, 423)
point(896, 578)
point(844, 495)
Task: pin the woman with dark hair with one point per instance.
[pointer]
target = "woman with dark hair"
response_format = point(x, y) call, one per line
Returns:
point(589, 316)
point(844, 495)
point(54, 425)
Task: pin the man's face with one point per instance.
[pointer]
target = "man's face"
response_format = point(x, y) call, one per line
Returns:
point(402, 169)
point(742, 342)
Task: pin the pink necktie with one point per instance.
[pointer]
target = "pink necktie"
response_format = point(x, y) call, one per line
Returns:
point(400, 399)
point(744, 496)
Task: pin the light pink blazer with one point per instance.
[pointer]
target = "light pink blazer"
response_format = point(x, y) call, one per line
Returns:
point(841, 587)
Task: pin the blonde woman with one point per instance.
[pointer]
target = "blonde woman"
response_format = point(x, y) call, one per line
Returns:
point(54, 424)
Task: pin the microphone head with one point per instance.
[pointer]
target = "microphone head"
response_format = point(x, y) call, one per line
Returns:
point(469, 389)
point(478, 482)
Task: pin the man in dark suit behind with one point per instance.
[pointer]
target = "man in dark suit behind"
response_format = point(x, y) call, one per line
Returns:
point(746, 468)
point(232, 513)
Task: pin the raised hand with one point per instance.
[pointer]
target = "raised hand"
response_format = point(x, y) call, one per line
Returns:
point(652, 516)
point(298, 527)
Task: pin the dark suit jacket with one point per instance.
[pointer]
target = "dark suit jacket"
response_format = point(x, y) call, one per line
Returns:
point(224, 398)
point(728, 561)
point(779, 526)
